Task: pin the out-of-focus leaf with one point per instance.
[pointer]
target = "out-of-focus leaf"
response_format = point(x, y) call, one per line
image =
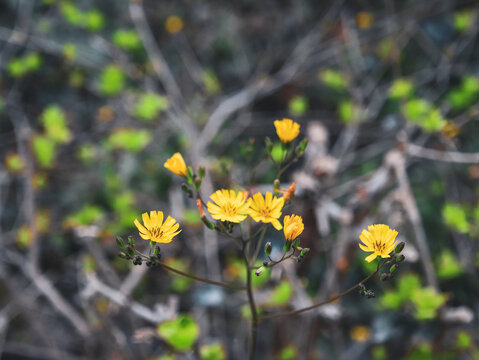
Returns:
point(24, 237)
point(298, 105)
point(150, 105)
point(112, 80)
point(421, 352)
point(334, 79)
point(281, 294)
point(181, 333)
point(14, 163)
point(289, 352)
point(129, 139)
point(127, 39)
point(94, 20)
point(455, 216)
point(401, 89)
point(464, 340)
point(463, 20)
point(53, 119)
point(88, 215)
point(21, 66)
point(45, 150)
point(214, 351)
point(211, 82)
point(427, 301)
point(466, 94)
point(348, 112)
point(447, 265)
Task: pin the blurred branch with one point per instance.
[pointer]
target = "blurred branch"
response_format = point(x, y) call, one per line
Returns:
point(445, 156)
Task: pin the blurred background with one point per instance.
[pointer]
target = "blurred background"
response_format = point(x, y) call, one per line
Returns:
point(96, 95)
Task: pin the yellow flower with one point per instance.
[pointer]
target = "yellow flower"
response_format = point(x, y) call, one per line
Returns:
point(155, 229)
point(293, 227)
point(379, 240)
point(228, 206)
point(287, 130)
point(267, 209)
point(176, 164)
point(360, 333)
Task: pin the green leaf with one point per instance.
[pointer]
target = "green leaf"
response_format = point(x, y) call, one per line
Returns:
point(53, 119)
point(289, 352)
point(87, 153)
point(181, 333)
point(298, 105)
point(112, 80)
point(212, 352)
point(464, 95)
point(21, 66)
point(334, 79)
point(129, 139)
point(348, 112)
point(447, 265)
point(390, 300)
point(71, 13)
point(427, 301)
point(69, 51)
point(455, 216)
point(127, 39)
point(421, 352)
point(463, 20)
point(281, 295)
point(44, 149)
point(463, 340)
point(150, 105)
point(87, 215)
point(421, 112)
point(211, 82)
point(401, 89)
point(94, 20)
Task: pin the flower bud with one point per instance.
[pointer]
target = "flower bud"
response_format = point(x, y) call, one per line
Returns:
point(122, 255)
point(156, 250)
point(303, 144)
point(189, 175)
point(201, 172)
point(120, 242)
point(131, 241)
point(400, 258)
point(268, 247)
point(260, 271)
point(305, 251)
point(393, 268)
point(399, 247)
point(269, 145)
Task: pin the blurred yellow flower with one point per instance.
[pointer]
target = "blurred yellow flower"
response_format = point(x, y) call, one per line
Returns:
point(293, 227)
point(360, 333)
point(174, 24)
point(364, 20)
point(287, 130)
point(266, 209)
point(379, 239)
point(155, 229)
point(228, 206)
point(176, 164)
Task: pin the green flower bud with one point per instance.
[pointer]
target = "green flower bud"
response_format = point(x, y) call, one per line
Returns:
point(268, 247)
point(305, 251)
point(399, 247)
point(393, 268)
point(120, 242)
point(131, 241)
point(400, 258)
point(156, 250)
point(201, 172)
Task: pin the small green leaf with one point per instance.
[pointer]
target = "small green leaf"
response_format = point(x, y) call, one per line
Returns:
point(447, 265)
point(401, 89)
point(298, 105)
point(87, 215)
point(427, 301)
point(463, 20)
point(127, 39)
point(282, 294)
point(181, 333)
point(289, 352)
point(334, 79)
point(212, 352)
point(94, 20)
point(112, 80)
point(348, 112)
point(53, 119)
point(150, 105)
point(19, 67)
point(129, 139)
point(463, 340)
point(45, 150)
point(211, 82)
point(455, 216)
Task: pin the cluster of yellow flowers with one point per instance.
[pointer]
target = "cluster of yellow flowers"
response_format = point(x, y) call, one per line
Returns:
point(234, 207)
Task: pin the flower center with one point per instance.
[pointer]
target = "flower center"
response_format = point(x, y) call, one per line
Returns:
point(379, 246)
point(156, 232)
point(230, 209)
point(265, 212)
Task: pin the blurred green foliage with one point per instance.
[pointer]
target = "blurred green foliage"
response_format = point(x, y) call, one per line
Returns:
point(181, 333)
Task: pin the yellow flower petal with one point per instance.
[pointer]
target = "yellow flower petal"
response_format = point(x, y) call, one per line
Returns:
point(176, 164)
point(287, 130)
point(379, 239)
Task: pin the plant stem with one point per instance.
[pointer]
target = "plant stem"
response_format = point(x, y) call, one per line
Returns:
point(334, 298)
point(252, 306)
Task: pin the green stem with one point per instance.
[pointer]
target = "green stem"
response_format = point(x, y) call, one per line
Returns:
point(334, 298)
